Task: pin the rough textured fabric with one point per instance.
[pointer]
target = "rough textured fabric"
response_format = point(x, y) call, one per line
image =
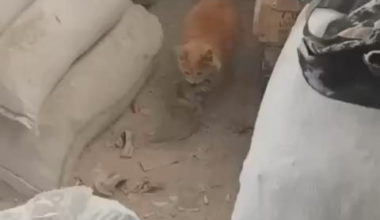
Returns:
point(359, 28)
point(41, 44)
point(352, 39)
point(93, 93)
point(9, 10)
point(311, 158)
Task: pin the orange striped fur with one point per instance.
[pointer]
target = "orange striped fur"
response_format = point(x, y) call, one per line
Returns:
point(209, 37)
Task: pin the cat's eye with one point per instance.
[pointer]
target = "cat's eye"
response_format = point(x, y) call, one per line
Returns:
point(187, 72)
point(199, 73)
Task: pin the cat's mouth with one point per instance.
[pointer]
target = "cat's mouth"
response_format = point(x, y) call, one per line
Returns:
point(206, 81)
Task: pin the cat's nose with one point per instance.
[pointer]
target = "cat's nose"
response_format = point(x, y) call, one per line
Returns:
point(191, 82)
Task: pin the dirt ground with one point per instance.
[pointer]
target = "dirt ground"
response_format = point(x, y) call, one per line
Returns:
point(197, 177)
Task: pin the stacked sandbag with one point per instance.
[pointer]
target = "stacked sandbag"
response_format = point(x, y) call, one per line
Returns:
point(92, 94)
point(10, 10)
point(38, 48)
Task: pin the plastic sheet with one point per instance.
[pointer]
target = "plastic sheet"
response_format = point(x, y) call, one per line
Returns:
point(75, 203)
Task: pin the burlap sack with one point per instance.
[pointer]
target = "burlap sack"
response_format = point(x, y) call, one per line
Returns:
point(94, 92)
point(39, 47)
point(10, 9)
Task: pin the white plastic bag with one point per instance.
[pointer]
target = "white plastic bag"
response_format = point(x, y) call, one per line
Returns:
point(39, 47)
point(74, 203)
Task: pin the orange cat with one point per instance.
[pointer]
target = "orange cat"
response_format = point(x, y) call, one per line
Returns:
point(209, 36)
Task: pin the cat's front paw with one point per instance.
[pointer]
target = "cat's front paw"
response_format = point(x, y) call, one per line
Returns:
point(205, 87)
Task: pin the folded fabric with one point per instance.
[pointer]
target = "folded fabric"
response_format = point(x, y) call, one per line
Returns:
point(351, 39)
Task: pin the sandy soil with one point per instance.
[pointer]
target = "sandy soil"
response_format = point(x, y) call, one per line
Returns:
point(198, 176)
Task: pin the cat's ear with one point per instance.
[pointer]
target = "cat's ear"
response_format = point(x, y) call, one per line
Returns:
point(208, 57)
point(180, 53)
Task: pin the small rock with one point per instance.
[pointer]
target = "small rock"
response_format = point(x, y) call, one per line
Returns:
point(160, 204)
point(173, 198)
point(148, 215)
point(205, 200)
point(228, 197)
point(182, 209)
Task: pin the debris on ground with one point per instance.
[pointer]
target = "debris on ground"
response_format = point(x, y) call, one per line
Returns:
point(147, 167)
point(124, 142)
point(161, 159)
point(182, 209)
point(245, 129)
point(146, 186)
point(201, 153)
point(148, 215)
point(78, 181)
point(119, 143)
point(106, 185)
point(228, 197)
point(189, 200)
point(241, 129)
point(173, 198)
point(195, 156)
point(160, 203)
point(205, 200)
point(128, 147)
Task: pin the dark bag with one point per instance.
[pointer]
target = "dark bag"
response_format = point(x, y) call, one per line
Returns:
point(344, 64)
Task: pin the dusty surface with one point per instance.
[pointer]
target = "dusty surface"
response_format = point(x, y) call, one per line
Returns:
point(9, 197)
point(196, 178)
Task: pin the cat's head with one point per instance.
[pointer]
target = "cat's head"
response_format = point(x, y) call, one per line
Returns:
point(197, 61)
